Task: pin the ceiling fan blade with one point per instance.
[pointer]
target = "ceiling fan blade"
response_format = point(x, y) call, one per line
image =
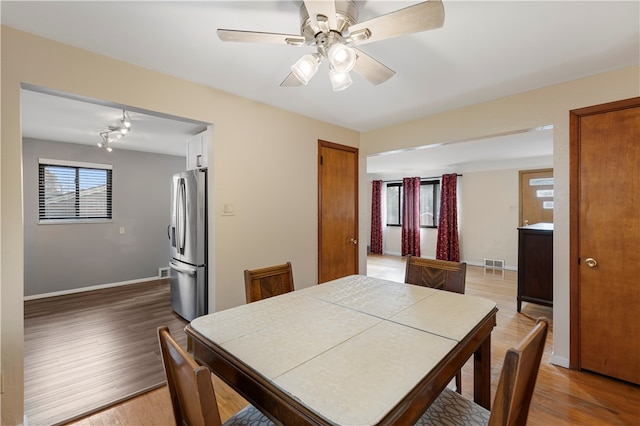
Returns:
point(371, 69)
point(258, 37)
point(423, 16)
point(291, 81)
point(324, 8)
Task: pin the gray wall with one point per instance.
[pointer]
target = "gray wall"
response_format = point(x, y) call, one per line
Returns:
point(62, 257)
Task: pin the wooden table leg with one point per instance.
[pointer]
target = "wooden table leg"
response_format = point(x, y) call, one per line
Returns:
point(482, 374)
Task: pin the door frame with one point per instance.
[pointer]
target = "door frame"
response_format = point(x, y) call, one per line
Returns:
point(355, 151)
point(575, 117)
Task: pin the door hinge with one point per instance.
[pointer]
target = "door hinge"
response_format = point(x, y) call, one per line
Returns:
point(321, 159)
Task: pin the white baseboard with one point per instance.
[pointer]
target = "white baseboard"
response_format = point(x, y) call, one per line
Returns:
point(83, 289)
point(481, 264)
point(560, 361)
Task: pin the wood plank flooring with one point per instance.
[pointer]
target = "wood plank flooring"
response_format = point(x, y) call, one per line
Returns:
point(89, 350)
point(562, 397)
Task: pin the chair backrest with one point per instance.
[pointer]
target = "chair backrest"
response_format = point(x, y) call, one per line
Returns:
point(439, 274)
point(267, 282)
point(518, 378)
point(192, 395)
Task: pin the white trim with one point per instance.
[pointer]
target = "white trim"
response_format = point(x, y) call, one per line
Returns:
point(560, 361)
point(83, 289)
point(481, 265)
point(74, 221)
point(75, 164)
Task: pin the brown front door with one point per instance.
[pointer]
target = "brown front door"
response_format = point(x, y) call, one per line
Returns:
point(536, 196)
point(337, 211)
point(605, 239)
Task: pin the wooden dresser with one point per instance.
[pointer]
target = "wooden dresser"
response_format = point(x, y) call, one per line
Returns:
point(535, 264)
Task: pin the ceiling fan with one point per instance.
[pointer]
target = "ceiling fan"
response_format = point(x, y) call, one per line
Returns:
point(333, 28)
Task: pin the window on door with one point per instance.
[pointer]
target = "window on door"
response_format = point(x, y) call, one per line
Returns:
point(73, 191)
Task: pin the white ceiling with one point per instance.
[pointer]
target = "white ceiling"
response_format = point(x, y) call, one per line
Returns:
point(64, 119)
point(486, 50)
point(525, 150)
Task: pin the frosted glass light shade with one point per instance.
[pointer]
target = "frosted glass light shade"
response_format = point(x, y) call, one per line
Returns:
point(339, 80)
point(342, 58)
point(305, 68)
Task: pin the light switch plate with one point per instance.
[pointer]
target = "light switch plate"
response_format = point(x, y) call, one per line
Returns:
point(228, 209)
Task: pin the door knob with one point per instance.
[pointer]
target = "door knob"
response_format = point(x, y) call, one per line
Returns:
point(354, 242)
point(591, 262)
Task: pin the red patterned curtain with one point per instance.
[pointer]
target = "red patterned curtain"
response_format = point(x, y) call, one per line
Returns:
point(448, 247)
point(411, 216)
point(376, 217)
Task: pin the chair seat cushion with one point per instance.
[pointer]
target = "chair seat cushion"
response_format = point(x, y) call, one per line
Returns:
point(452, 409)
point(249, 416)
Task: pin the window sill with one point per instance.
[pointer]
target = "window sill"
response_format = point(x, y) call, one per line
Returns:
point(72, 221)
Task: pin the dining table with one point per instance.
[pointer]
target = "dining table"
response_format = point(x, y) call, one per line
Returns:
point(357, 350)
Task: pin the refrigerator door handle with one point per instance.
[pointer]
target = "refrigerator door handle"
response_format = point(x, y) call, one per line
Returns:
point(184, 269)
point(181, 216)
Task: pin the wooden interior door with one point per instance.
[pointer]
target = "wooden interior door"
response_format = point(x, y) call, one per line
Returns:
point(337, 211)
point(605, 239)
point(534, 199)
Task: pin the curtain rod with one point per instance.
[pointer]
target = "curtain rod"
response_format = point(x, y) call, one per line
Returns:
point(422, 178)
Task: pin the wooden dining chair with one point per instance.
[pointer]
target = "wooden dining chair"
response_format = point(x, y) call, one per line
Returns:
point(513, 395)
point(267, 282)
point(438, 274)
point(435, 273)
point(191, 390)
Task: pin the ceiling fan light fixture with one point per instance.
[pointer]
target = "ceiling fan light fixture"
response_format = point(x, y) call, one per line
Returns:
point(342, 58)
point(339, 80)
point(306, 67)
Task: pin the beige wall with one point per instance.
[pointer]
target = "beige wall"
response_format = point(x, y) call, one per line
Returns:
point(550, 105)
point(489, 217)
point(263, 160)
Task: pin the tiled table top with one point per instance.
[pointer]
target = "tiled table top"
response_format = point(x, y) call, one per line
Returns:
point(349, 349)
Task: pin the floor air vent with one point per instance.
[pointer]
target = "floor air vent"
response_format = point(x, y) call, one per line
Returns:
point(163, 272)
point(494, 263)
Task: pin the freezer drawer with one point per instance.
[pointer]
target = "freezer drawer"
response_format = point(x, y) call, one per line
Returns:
point(188, 290)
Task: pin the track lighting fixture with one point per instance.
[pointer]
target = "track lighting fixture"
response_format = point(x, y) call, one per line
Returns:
point(115, 132)
point(126, 122)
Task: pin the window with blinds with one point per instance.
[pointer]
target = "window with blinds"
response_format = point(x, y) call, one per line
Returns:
point(74, 191)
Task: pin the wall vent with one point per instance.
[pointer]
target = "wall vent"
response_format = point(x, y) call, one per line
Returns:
point(163, 272)
point(494, 264)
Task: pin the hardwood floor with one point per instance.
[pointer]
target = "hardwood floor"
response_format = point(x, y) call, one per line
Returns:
point(86, 351)
point(562, 397)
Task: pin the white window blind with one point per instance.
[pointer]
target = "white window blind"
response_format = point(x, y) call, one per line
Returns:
point(70, 190)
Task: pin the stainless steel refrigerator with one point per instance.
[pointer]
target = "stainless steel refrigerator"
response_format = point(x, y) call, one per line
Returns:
point(188, 243)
